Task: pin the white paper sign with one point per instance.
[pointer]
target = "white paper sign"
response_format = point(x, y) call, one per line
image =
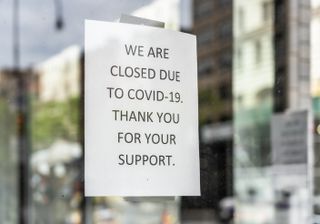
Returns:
point(141, 111)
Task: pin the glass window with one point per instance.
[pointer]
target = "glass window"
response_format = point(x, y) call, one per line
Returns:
point(241, 19)
point(205, 37)
point(258, 103)
point(239, 57)
point(258, 51)
point(267, 10)
point(225, 61)
point(225, 30)
point(205, 66)
point(203, 9)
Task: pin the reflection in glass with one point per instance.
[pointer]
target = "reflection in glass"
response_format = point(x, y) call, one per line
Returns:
point(8, 149)
point(253, 78)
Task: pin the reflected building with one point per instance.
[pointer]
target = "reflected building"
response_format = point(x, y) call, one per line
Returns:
point(271, 75)
point(253, 80)
point(236, 78)
point(253, 76)
point(212, 24)
point(58, 78)
point(292, 94)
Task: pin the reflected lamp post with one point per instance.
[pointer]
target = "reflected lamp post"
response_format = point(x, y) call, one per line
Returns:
point(23, 112)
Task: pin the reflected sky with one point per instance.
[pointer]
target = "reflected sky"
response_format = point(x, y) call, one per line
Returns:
point(39, 39)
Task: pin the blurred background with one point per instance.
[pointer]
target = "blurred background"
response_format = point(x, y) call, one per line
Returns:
point(258, 74)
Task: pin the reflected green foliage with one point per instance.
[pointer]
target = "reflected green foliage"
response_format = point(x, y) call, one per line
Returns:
point(54, 120)
point(8, 160)
point(6, 128)
point(209, 105)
